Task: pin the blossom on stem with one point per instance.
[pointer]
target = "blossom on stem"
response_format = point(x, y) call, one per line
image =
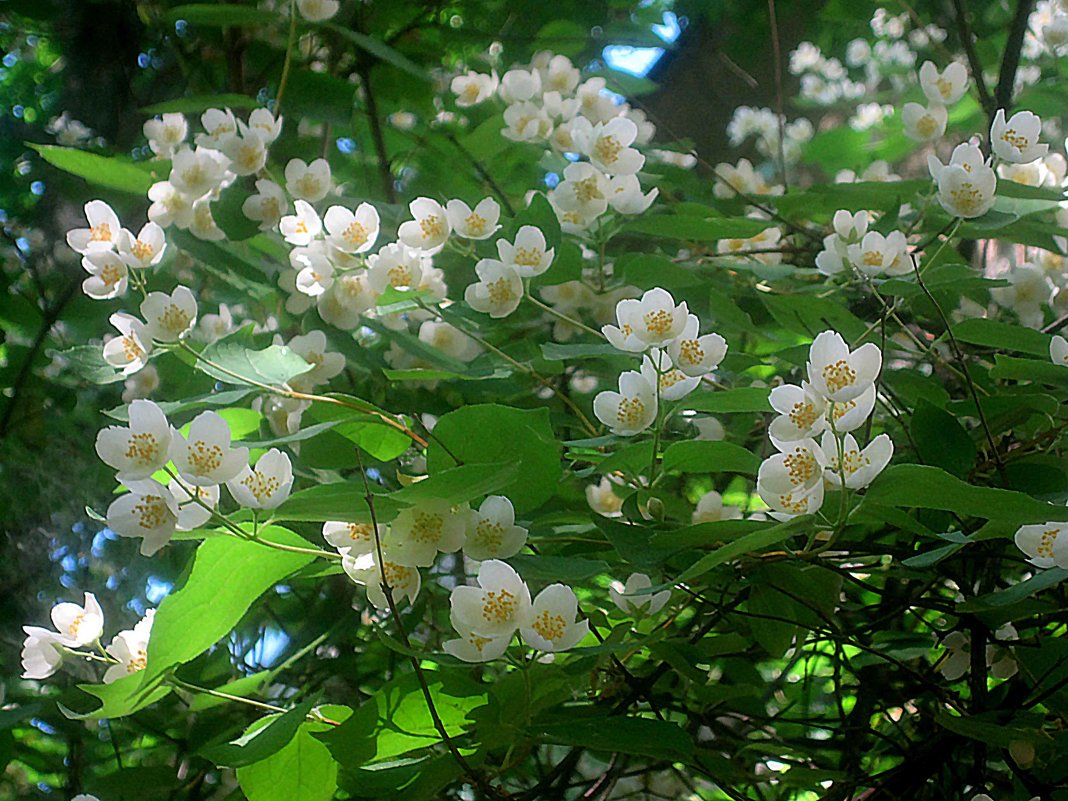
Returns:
point(266, 485)
point(78, 625)
point(477, 223)
point(1046, 544)
point(693, 354)
point(429, 230)
point(310, 182)
point(205, 456)
point(1016, 140)
point(860, 467)
point(553, 625)
point(839, 374)
point(102, 233)
point(420, 532)
point(403, 581)
point(498, 606)
point(149, 511)
point(924, 124)
point(631, 410)
point(498, 290)
point(492, 532)
point(169, 318)
point(625, 596)
point(108, 275)
point(352, 231)
point(139, 450)
point(653, 321)
point(128, 351)
point(42, 653)
point(945, 87)
point(130, 647)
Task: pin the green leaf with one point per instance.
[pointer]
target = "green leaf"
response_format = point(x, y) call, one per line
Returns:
point(1043, 372)
point(105, 171)
point(303, 769)
point(557, 568)
point(1043, 580)
point(492, 434)
point(87, 362)
point(698, 456)
point(198, 103)
point(753, 541)
point(115, 700)
point(461, 484)
point(580, 350)
point(228, 575)
point(229, 216)
point(234, 363)
point(1003, 336)
point(381, 51)
point(922, 486)
point(774, 636)
point(743, 399)
point(396, 721)
point(941, 440)
point(659, 739)
point(262, 739)
point(220, 15)
point(696, 229)
point(212, 400)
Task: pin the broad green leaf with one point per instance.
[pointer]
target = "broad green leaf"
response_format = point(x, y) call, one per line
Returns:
point(303, 769)
point(212, 400)
point(231, 361)
point(774, 636)
point(1043, 372)
point(220, 15)
point(260, 740)
point(381, 51)
point(698, 456)
point(941, 440)
point(490, 434)
point(1003, 336)
point(115, 700)
point(396, 721)
point(579, 350)
point(696, 229)
point(1044, 579)
point(461, 484)
point(337, 501)
point(198, 103)
point(556, 568)
point(87, 362)
point(742, 399)
point(659, 739)
point(106, 171)
point(926, 487)
point(747, 543)
point(228, 575)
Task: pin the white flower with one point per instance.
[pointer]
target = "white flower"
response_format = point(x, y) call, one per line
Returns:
point(145, 249)
point(315, 273)
point(141, 449)
point(149, 510)
point(354, 539)
point(102, 233)
point(266, 485)
point(78, 625)
point(301, 228)
point(838, 374)
point(693, 354)
point(479, 223)
point(498, 606)
point(429, 230)
point(168, 318)
point(247, 152)
point(1058, 350)
point(945, 87)
point(924, 124)
point(1017, 139)
point(471, 647)
point(345, 302)
point(404, 581)
point(791, 483)
point(42, 653)
point(957, 658)
point(196, 172)
point(559, 75)
point(528, 255)
point(396, 265)
point(492, 532)
point(1029, 289)
point(418, 533)
point(859, 466)
point(801, 413)
point(325, 364)
point(140, 384)
point(473, 88)
point(449, 339)
point(203, 225)
point(131, 649)
point(967, 155)
point(674, 384)
point(967, 194)
point(192, 514)
point(130, 350)
point(653, 321)
point(352, 232)
point(265, 125)
point(527, 122)
point(625, 195)
point(553, 626)
point(709, 429)
point(850, 415)
point(741, 178)
point(498, 290)
point(584, 190)
point(219, 125)
point(766, 241)
point(169, 206)
point(629, 603)
point(309, 182)
point(166, 133)
point(1046, 545)
point(108, 275)
point(603, 499)
point(710, 509)
point(632, 409)
point(519, 85)
point(832, 259)
point(266, 206)
point(608, 147)
point(876, 254)
point(205, 456)
point(318, 10)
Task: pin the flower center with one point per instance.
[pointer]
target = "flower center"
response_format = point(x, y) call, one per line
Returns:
point(967, 198)
point(174, 319)
point(427, 527)
point(399, 276)
point(691, 352)
point(839, 375)
point(1045, 543)
point(142, 251)
point(142, 447)
point(101, 232)
point(927, 126)
point(355, 234)
point(204, 457)
point(500, 291)
point(261, 486)
point(1014, 139)
point(432, 227)
point(803, 414)
point(801, 466)
point(489, 535)
point(476, 223)
point(658, 322)
point(498, 606)
point(549, 627)
point(631, 411)
point(587, 189)
point(151, 512)
point(607, 149)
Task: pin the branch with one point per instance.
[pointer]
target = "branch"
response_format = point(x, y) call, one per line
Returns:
point(1010, 61)
point(965, 32)
point(384, 171)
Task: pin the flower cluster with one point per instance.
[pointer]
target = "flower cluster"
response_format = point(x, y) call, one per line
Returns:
point(835, 401)
point(78, 627)
point(196, 464)
point(675, 357)
point(869, 252)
